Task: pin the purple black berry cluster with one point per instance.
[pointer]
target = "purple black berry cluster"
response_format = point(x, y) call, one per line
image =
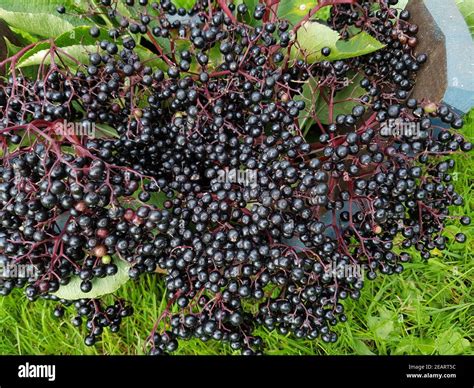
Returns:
point(222, 94)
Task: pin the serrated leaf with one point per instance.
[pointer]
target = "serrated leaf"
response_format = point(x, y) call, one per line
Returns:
point(344, 101)
point(182, 45)
point(156, 198)
point(76, 37)
point(451, 342)
point(309, 95)
point(24, 36)
point(100, 286)
point(467, 10)
point(251, 4)
point(79, 44)
point(294, 11)
point(401, 4)
point(413, 345)
point(39, 17)
point(44, 6)
point(313, 36)
point(125, 10)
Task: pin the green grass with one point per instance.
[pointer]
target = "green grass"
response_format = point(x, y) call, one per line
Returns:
point(428, 309)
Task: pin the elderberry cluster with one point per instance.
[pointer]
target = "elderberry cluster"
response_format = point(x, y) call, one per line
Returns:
point(223, 97)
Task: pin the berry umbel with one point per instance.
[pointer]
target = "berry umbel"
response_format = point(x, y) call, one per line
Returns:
point(223, 91)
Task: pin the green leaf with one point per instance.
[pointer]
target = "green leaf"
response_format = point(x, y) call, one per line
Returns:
point(247, 18)
point(414, 345)
point(309, 94)
point(182, 45)
point(24, 36)
point(384, 329)
point(106, 131)
point(451, 342)
point(100, 286)
point(405, 346)
point(187, 4)
point(79, 43)
point(40, 47)
point(39, 17)
point(26, 141)
point(158, 199)
point(362, 349)
point(79, 52)
point(215, 56)
point(324, 13)
point(401, 4)
point(383, 325)
point(78, 36)
point(467, 9)
point(294, 11)
point(360, 44)
point(313, 36)
point(125, 10)
point(41, 24)
point(164, 44)
point(344, 101)
point(44, 6)
point(149, 58)
point(251, 4)
point(12, 49)
point(31, 72)
point(425, 345)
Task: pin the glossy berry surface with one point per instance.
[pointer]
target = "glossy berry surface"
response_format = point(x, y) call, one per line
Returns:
point(209, 177)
